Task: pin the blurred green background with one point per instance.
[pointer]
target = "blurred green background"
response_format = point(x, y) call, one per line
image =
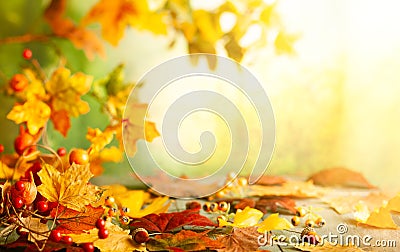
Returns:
point(335, 100)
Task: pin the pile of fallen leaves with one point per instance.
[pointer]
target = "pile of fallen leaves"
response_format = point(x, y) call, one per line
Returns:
point(53, 206)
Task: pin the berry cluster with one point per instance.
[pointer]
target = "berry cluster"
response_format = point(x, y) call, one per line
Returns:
point(235, 187)
point(312, 219)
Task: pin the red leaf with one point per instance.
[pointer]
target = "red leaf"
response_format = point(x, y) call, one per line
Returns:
point(276, 204)
point(166, 222)
point(74, 222)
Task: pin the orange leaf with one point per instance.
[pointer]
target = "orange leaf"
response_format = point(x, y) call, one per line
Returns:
point(115, 16)
point(61, 121)
point(75, 222)
point(78, 35)
point(340, 176)
point(241, 240)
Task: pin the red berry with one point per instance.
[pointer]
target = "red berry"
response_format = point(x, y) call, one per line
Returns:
point(20, 186)
point(67, 239)
point(55, 235)
point(42, 206)
point(27, 54)
point(62, 151)
point(18, 202)
point(79, 156)
point(1, 148)
point(87, 247)
point(103, 233)
point(18, 82)
point(100, 223)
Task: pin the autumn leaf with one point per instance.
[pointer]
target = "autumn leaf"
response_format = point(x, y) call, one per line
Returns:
point(66, 91)
point(167, 222)
point(246, 202)
point(135, 127)
point(297, 189)
point(328, 247)
point(269, 180)
point(276, 204)
point(61, 121)
point(99, 139)
point(185, 240)
point(69, 188)
point(340, 176)
point(380, 217)
point(240, 240)
point(112, 154)
point(79, 36)
point(37, 230)
point(284, 43)
point(347, 204)
point(243, 218)
point(118, 239)
point(394, 203)
point(273, 222)
point(115, 16)
point(34, 112)
point(76, 222)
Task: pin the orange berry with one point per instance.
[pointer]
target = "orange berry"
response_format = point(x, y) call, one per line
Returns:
point(18, 82)
point(295, 220)
point(79, 156)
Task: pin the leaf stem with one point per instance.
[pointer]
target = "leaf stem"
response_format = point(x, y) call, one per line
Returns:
point(26, 38)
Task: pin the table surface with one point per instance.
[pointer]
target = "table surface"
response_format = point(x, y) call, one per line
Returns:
point(333, 219)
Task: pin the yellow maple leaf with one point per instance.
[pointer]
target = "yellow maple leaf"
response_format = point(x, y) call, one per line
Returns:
point(394, 203)
point(118, 239)
point(66, 91)
point(34, 112)
point(136, 199)
point(273, 222)
point(99, 139)
point(136, 127)
point(243, 218)
point(115, 16)
point(69, 188)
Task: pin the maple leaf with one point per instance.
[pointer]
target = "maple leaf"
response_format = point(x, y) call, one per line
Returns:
point(273, 222)
point(347, 204)
point(115, 16)
point(118, 239)
point(167, 222)
point(243, 218)
point(76, 222)
point(394, 203)
point(70, 188)
point(380, 217)
point(185, 240)
point(298, 189)
point(240, 240)
point(78, 35)
point(112, 154)
point(34, 112)
point(328, 247)
point(136, 127)
point(340, 176)
point(66, 91)
point(99, 139)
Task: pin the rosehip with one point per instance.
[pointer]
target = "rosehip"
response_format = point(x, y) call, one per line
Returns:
point(67, 239)
point(20, 185)
point(1, 148)
point(79, 156)
point(18, 82)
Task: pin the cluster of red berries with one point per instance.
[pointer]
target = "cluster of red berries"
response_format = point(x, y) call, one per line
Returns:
point(311, 218)
point(101, 225)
